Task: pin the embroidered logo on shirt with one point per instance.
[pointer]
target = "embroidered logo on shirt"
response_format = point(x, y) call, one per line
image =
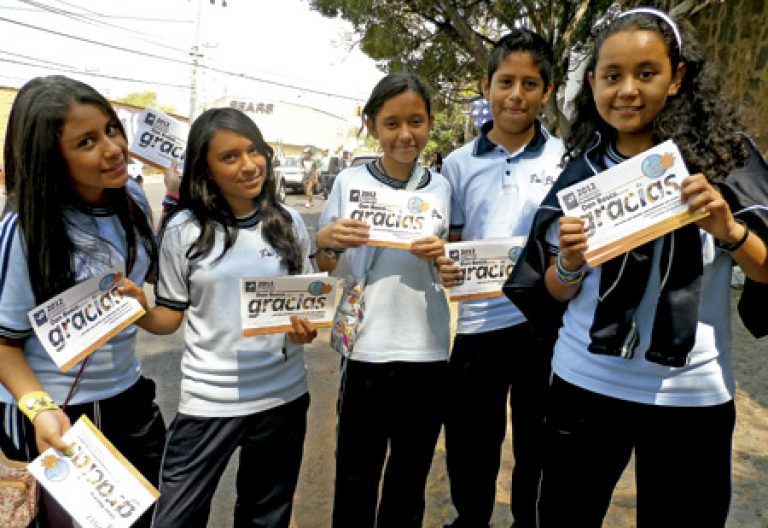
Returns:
point(543, 178)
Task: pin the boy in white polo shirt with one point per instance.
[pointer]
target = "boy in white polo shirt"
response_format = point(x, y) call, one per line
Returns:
point(498, 181)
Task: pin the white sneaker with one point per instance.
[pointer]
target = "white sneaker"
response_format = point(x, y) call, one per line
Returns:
point(307, 205)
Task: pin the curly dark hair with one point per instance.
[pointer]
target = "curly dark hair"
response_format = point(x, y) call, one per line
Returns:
point(702, 123)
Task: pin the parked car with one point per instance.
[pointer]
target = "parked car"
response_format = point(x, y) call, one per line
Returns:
point(290, 173)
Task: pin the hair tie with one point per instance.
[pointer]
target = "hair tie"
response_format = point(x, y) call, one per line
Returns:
point(662, 15)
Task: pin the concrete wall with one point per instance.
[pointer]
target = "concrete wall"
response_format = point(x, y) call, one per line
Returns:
point(735, 35)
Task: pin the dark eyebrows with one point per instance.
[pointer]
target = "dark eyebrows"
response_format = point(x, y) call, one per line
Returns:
point(645, 64)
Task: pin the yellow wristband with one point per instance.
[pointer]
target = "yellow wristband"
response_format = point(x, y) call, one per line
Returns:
point(35, 402)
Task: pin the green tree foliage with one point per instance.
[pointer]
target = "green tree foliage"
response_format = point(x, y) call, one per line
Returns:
point(447, 42)
point(144, 99)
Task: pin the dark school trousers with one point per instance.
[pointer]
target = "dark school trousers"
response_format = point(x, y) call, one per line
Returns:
point(271, 446)
point(484, 371)
point(130, 420)
point(682, 460)
point(395, 406)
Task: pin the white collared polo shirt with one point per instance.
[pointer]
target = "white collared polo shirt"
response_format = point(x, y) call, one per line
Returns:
point(495, 194)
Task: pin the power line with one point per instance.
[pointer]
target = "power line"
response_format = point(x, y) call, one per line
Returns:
point(36, 59)
point(121, 17)
point(184, 63)
point(84, 18)
point(94, 42)
point(71, 69)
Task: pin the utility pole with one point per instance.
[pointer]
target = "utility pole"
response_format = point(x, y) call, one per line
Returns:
point(196, 55)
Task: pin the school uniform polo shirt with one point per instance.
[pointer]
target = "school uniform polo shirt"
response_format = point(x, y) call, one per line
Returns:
point(100, 244)
point(406, 311)
point(225, 374)
point(707, 377)
point(495, 194)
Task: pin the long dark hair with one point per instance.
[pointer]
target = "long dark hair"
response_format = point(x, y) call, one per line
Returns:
point(39, 187)
point(698, 118)
point(200, 194)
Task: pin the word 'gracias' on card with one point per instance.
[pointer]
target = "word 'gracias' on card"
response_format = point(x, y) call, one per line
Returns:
point(631, 203)
point(76, 322)
point(485, 266)
point(97, 485)
point(267, 303)
point(396, 217)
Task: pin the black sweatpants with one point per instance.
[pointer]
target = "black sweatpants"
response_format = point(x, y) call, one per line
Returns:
point(198, 450)
point(130, 420)
point(682, 460)
point(395, 407)
point(484, 370)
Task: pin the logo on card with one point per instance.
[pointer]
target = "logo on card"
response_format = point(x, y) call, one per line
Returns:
point(453, 254)
point(109, 280)
point(55, 469)
point(570, 201)
point(655, 165)
point(416, 205)
point(40, 317)
point(318, 288)
point(354, 195)
point(514, 253)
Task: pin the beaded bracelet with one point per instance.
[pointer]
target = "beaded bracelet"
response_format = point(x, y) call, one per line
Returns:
point(736, 245)
point(565, 276)
point(35, 402)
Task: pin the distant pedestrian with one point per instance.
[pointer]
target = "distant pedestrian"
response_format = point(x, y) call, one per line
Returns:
point(436, 162)
point(309, 170)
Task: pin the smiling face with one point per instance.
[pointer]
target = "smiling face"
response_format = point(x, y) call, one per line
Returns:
point(237, 168)
point(402, 127)
point(516, 92)
point(632, 79)
point(94, 151)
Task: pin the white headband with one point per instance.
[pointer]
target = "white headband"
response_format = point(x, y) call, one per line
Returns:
point(662, 15)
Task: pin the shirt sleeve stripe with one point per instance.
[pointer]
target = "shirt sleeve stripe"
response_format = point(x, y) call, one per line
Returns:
point(6, 241)
point(173, 305)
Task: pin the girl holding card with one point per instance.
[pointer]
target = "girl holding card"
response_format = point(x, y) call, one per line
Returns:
point(642, 360)
point(236, 391)
point(73, 213)
point(391, 394)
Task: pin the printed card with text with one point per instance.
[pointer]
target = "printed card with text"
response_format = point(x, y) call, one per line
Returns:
point(267, 303)
point(485, 266)
point(396, 217)
point(631, 203)
point(97, 485)
point(159, 139)
point(78, 321)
